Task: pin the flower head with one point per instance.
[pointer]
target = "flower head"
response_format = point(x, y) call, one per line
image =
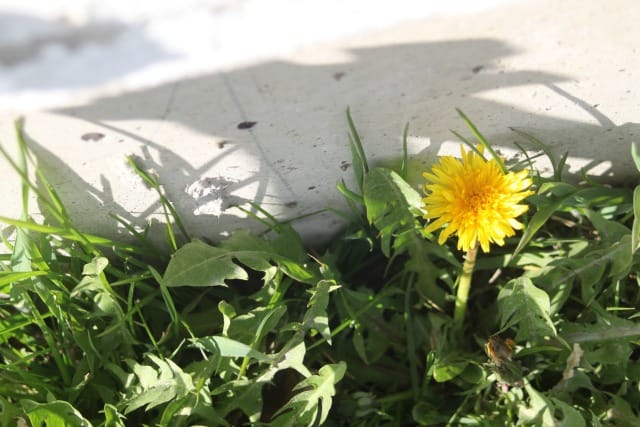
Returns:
point(474, 199)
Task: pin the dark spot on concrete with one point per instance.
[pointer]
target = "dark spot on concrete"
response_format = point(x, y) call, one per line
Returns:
point(221, 144)
point(344, 166)
point(246, 125)
point(337, 76)
point(313, 187)
point(92, 136)
point(477, 69)
point(291, 204)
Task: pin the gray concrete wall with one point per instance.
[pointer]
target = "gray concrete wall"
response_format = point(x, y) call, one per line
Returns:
point(563, 71)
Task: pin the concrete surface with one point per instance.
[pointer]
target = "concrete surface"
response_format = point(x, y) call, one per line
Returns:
point(564, 71)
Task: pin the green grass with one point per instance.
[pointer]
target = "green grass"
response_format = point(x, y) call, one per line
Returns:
point(258, 331)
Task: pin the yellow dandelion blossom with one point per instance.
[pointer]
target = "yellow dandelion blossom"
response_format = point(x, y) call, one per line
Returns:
point(474, 199)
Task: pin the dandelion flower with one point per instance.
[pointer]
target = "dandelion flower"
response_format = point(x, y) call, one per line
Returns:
point(474, 199)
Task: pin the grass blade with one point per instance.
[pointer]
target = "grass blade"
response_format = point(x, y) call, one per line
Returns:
point(404, 168)
point(360, 165)
point(482, 140)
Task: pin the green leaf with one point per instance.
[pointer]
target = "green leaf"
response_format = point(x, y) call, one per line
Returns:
point(228, 312)
point(316, 316)
point(227, 347)
point(311, 405)
point(543, 213)
point(539, 410)
point(56, 413)
point(635, 231)
point(445, 369)
point(607, 328)
point(391, 204)
point(556, 165)
point(359, 159)
point(543, 411)
point(482, 140)
point(112, 418)
point(285, 249)
point(589, 269)
point(158, 385)
point(610, 231)
point(242, 394)
point(198, 264)
point(526, 308)
point(95, 267)
point(251, 327)
point(635, 155)
point(621, 414)
point(9, 277)
point(404, 167)
point(95, 287)
point(291, 356)
point(571, 417)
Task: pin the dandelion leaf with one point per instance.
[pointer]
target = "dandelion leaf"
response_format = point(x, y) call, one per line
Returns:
point(310, 406)
point(56, 413)
point(393, 207)
point(527, 308)
point(200, 264)
point(158, 384)
point(391, 204)
point(316, 316)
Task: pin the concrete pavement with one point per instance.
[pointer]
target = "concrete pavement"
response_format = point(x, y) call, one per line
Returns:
point(273, 130)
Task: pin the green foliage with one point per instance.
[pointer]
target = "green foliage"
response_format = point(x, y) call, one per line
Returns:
point(526, 309)
point(255, 331)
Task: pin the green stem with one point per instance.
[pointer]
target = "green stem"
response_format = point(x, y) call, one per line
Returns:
point(464, 285)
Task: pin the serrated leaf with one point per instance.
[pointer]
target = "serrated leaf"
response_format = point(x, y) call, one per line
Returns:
point(606, 328)
point(158, 385)
point(199, 264)
point(390, 202)
point(311, 405)
point(589, 268)
point(526, 308)
point(316, 316)
point(292, 357)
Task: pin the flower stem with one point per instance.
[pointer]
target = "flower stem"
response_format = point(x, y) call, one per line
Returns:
point(464, 285)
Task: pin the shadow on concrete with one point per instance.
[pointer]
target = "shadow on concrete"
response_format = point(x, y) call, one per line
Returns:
point(298, 143)
point(72, 53)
